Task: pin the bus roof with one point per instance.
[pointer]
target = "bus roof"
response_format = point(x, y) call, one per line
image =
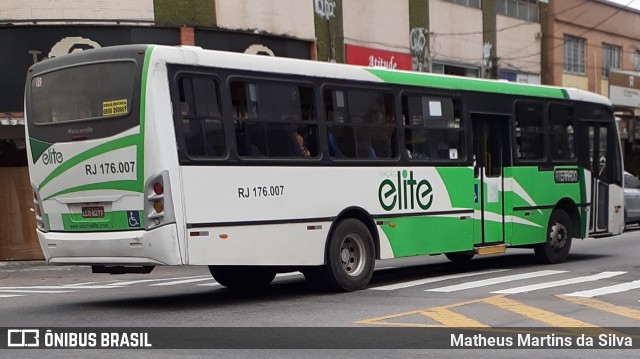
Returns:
point(192, 55)
point(198, 56)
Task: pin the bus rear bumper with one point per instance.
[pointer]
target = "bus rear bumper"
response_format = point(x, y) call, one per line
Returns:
point(135, 248)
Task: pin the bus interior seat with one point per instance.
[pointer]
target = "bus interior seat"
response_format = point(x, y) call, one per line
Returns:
point(281, 141)
point(256, 138)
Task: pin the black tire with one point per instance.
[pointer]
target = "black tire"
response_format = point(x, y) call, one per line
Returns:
point(350, 258)
point(315, 276)
point(243, 277)
point(459, 257)
point(559, 234)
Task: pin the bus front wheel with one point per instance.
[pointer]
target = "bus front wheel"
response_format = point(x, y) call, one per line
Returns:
point(558, 243)
point(350, 257)
point(243, 277)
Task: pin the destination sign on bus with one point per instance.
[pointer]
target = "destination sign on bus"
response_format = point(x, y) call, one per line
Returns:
point(566, 176)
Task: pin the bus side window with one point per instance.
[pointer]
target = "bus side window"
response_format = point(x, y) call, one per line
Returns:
point(200, 117)
point(279, 121)
point(562, 122)
point(433, 128)
point(529, 131)
point(361, 124)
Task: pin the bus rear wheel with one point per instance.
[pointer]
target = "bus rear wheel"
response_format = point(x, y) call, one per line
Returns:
point(350, 258)
point(558, 243)
point(243, 277)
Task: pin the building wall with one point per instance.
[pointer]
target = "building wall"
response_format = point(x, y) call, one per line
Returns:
point(455, 41)
point(518, 45)
point(293, 18)
point(596, 22)
point(379, 24)
point(17, 224)
point(76, 9)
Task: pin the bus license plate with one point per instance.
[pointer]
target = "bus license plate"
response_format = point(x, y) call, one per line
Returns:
point(92, 212)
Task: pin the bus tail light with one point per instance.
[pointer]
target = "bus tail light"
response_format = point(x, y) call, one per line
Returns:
point(158, 207)
point(41, 223)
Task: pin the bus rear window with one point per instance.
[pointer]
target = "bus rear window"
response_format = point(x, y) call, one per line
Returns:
point(82, 92)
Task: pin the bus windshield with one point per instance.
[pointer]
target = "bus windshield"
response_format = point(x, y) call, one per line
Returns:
point(82, 92)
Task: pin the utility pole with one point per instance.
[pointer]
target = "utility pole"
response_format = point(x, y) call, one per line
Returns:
point(489, 39)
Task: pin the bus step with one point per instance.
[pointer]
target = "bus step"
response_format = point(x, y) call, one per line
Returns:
point(482, 251)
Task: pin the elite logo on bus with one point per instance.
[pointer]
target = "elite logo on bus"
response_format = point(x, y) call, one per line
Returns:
point(405, 193)
point(51, 157)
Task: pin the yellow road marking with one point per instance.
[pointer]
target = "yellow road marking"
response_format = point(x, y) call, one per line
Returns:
point(384, 320)
point(450, 318)
point(537, 314)
point(603, 306)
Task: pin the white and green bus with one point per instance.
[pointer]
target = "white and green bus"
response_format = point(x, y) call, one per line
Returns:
point(145, 155)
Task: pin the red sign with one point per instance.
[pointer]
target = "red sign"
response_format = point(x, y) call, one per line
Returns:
point(365, 56)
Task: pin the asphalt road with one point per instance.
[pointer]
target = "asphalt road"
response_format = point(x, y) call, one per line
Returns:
point(598, 287)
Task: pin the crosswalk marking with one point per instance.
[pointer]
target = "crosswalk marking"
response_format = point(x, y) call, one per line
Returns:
point(558, 283)
point(618, 288)
point(497, 280)
point(213, 284)
point(433, 280)
point(34, 291)
point(155, 280)
point(279, 275)
point(11, 295)
point(62, 287)
point(86, 283)
point(183, 281)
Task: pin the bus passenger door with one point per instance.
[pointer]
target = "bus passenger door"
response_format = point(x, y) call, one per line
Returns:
point(490, 148)
point(602, 160)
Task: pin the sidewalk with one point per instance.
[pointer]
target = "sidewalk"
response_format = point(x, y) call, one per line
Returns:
point(22, 264)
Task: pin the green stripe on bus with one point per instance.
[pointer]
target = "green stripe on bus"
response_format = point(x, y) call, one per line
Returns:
point(411, 236)
point(37, 148)
point(143, 99)
point(462, 83)
point(459, 184)
point(98, 150)
point(112, 221)
point(131, 185)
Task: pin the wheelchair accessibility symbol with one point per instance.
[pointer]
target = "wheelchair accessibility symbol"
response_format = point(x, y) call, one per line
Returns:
point(133, 218)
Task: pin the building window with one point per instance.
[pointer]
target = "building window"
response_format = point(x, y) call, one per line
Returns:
point(526, 10)
point(610, 58)
point(636, 60)
point(470, 3)
point(574, 54)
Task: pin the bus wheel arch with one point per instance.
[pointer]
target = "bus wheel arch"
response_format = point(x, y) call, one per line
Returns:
point(362, 216)
point(558, 238)
point(350, 253)
point(572, 211)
